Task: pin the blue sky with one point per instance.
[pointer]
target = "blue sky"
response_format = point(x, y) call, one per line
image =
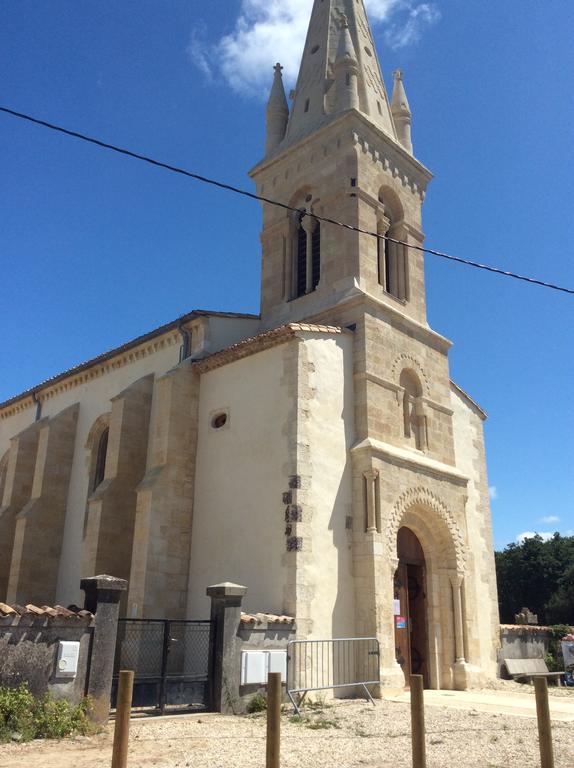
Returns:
point(96, 249)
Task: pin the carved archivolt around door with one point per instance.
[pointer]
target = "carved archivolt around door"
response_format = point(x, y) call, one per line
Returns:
point(423, 498)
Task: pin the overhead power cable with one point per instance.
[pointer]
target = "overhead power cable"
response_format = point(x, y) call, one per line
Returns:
point(263, 199)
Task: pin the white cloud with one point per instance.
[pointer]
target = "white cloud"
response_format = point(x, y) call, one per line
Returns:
point(545, 535)
point(199, 51)
point(492, 492)
point(267, 31)
point(549, 519)
point(409, 31)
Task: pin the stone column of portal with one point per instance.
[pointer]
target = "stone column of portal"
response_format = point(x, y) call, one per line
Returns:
point(456, 580)
point(464, 674)
point(371, 476)
point(309, 225)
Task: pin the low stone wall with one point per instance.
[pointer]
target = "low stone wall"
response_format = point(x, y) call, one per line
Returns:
point(29, 642)
point(521, 641)
point(30, 638)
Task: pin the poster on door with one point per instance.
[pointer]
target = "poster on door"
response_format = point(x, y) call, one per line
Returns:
point(400, 622)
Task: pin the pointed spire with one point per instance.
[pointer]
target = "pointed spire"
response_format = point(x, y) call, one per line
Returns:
point(277, 112)
point(401, 112)
point(346, 71)
point(346, 49)
point(339, 37)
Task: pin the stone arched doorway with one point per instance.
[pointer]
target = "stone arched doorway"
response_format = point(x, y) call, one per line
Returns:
point(426, 544)
point(410, 589)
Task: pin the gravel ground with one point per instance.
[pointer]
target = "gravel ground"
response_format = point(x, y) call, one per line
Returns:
point(350, 734)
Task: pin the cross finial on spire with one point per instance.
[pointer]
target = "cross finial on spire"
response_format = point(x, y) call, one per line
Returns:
point(278, 68)
point(398, 73)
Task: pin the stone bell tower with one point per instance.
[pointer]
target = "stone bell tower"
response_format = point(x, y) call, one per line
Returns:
point(344, 151)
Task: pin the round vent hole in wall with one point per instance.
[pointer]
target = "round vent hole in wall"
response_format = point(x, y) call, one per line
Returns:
point(314, 49)
point(219, 420)
point(368, 51)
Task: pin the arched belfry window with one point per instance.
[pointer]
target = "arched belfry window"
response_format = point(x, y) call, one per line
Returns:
point(100, 468)
point(316, 253)
point(414, 417)
point(306, 254)
point(392, 256)
point(301, 284)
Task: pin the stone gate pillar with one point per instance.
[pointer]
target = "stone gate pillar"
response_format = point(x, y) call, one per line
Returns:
point(103, 594)
point(224, 658)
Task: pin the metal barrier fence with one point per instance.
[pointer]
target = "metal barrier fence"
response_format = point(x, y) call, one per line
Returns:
point(319, 665)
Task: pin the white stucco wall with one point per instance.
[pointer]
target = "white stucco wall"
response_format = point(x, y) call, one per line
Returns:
point(225, 331)
point(94, 397)
point(330, 429)
point(480, 582)
point(238, 524)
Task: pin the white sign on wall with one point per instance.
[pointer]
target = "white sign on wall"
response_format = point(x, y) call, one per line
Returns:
point(397, 607)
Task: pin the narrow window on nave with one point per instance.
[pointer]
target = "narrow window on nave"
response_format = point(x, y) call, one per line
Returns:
point(3, 474)
point(100, 470)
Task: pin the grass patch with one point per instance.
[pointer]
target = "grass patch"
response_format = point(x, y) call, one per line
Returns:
point(257, 703)
point(321, 725)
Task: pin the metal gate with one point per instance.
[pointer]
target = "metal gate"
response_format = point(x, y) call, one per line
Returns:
point(170, 660)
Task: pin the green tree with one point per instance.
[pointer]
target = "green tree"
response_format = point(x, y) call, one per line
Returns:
point(539, 575)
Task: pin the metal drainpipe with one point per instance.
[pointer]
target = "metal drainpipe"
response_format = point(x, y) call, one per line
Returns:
point(186, 343)
point(38, 406)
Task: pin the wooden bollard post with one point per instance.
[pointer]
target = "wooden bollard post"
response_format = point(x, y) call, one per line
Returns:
point(418, 721)
point(122, 724)
point(273, 719)
point(544, 726)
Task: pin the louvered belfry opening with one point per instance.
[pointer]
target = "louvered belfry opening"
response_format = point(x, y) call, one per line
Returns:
point(301, 286)
point(316, 254)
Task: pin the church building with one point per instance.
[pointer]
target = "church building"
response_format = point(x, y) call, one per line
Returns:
point(317, 453)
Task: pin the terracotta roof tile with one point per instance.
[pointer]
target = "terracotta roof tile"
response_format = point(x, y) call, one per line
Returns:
point(30, 611)
point(266, 618)
point(261, 342)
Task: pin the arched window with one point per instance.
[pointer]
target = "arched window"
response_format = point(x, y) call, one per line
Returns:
point(306, 255)
point(414, 418)
point(100, 469)
point(301, 280)
point(392, 257)
point(3, 474)
point(316, 253)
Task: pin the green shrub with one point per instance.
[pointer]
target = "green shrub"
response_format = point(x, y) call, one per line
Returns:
point(57, 719)
point(17, 713)
point(28, 718)
point(257, 703)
